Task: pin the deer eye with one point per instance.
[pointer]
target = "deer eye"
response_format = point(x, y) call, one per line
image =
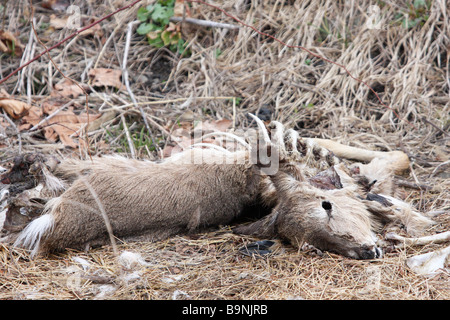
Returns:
point(327, 207)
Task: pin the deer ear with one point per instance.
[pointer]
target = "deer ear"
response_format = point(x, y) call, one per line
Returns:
point(263, 228)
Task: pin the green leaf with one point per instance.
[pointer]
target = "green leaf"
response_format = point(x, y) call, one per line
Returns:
point(157, 42)
point(167, 3)
point(419, 3)
point(142, 14)
point(161, 14)
point(144, 28)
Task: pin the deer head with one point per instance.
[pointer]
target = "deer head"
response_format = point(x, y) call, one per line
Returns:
point(330, 220)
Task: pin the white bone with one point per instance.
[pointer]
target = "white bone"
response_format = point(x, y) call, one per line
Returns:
point(428, 264)
point(436, 238)
point(398, 160)
point(278, 135)
point(212, 146)
point(262, 127)
point(229, 135)
point(293, 137)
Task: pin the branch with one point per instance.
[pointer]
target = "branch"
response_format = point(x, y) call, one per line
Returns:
point(204, 23)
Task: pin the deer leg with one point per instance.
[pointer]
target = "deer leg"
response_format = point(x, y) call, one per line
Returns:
point(397, 160)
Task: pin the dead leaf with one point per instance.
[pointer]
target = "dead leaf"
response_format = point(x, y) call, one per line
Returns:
point(63, 126)
point(4, 94)
point(64, 130)
point(103, 77)
point(178, 9)
point(58, 23)
point(211, 126)
point(10, 44)
point(56, 5)
point(68, 88)
point(92, 31)
point(15, 108)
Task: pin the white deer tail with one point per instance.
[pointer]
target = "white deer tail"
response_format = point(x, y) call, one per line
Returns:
point(30, 237)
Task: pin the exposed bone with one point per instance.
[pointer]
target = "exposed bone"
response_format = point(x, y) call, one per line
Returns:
point(229, 135)
point(398, 160)
point(430, 263)
point(158, 200)
point(420, 241)
point(210, 145)
point(278, 135)
point(262, 127)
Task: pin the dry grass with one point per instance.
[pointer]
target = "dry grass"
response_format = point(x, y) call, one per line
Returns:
point(409, 69)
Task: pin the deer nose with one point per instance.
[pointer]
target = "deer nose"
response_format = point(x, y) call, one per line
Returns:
point(371, 252)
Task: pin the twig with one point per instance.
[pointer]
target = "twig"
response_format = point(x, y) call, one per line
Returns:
point(204, 23)
point(35, 127)
point(165, 101)
point(127, 133)
point(435, 126)
point(412, 185)
point(439, 168)
point(127, 84)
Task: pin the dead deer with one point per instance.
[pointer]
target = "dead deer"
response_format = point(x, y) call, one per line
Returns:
point(158, 200)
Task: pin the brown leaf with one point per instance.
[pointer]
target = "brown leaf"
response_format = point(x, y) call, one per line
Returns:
point(178, 9)
point(8, 43)
point(64, 130)
point(31, 119)
point(56, 5)
point(16, 109)
point(67, 88)
point(211, 126)
point(4, 94)
point(102, 77)
point(92, 31)
point(58, 23)
point(61, 126)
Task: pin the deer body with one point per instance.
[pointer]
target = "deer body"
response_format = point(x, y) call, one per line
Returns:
point(201, 188)
point(158, 201)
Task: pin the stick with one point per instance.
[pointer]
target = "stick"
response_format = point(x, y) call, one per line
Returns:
point(50, 116)
point(127, 83)
point(204, 23)
point(127, 133)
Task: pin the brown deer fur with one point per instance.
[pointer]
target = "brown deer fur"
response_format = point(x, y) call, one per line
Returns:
point(142, 198)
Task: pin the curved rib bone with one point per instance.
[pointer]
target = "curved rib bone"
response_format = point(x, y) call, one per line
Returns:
point(262, 127)
point(229, 135)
